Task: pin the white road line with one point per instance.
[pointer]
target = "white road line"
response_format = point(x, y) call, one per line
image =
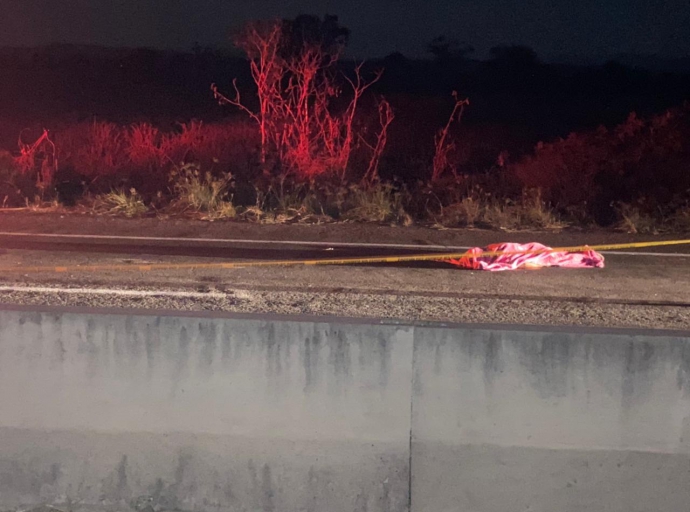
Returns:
point(662, 254)
point(293, 242)
point(228, 241)
point(112, 291)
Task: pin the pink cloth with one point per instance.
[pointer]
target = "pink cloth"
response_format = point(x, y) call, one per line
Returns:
point(523, 256)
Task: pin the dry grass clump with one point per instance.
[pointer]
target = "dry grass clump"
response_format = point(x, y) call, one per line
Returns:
point(480, 209)
point(680, 221)
point(635, 220)
point(121, 202)
point(379, 202)
point(202, 193)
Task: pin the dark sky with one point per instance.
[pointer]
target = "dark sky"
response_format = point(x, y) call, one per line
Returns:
point(594, 29)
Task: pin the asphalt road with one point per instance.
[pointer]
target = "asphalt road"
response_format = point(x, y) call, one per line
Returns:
point(633, 290)
point(358, 234)
point(211, 249)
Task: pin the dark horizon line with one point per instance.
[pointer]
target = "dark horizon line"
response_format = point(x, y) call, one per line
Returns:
point(564, 59)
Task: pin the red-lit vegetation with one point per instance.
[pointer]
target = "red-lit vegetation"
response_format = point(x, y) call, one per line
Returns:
point(635, 175)
point(317, 143)
point(303, 129)
point(444, 143)
point(640, 167)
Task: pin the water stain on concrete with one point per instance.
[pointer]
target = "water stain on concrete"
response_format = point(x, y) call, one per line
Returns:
point(682, 354)
point(30, 330)
point(226, 345)
point(685, 434)
point(273, 349)
point(339, 352)
point(91, 347)
point(241, 342)
point(438, 347)
point(267, 491)
point(640, 358)
point(478, 349)
point(383, 346)
point(181, 358)
point(115, 487)
point(549, 362)
point(152, 343)
point(311, 352)
point(122, 488)
point(134, 347)
point(57, 354)
point(29, 478)
point(339, 359)
point(228, 494)
point(208, 337)
point(263, 494)
point(176, 495)
point(319, 487)
point(33, 317)
point(493, 361)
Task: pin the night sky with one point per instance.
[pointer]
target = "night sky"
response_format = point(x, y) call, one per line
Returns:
point(590, 29)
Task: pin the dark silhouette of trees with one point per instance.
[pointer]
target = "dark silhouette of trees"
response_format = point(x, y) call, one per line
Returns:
point(444, 49)
point(306, 30)
point(515, 56)
point(517, 70)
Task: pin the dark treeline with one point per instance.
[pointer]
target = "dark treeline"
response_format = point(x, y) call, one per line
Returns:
point(512, 87)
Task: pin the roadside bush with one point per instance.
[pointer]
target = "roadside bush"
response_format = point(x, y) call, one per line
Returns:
point(635, 220)
point(680, 221)
point(230, 147)
point(535, 213)
point(606, 167)
point(565, 169)
point(93, 149)
point(201, 192)
point(379, 202)
point(649, 218)
point(124, 202)
point(105, 155)
point(501, 214)
point(481, 209)
point(143, 143)
point(14, 186)
point(287, 205)
point(465, 213)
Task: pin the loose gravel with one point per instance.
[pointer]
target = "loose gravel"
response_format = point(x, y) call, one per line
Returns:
point(363, 305)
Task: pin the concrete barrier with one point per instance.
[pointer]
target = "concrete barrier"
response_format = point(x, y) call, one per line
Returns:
point(547, 420)
point(162, 411)
point(203, 413)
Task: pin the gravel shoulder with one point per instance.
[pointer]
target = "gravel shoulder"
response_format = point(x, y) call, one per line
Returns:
point(367, 305)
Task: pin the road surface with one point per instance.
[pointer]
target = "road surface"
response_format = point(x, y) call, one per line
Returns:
point(636, 289)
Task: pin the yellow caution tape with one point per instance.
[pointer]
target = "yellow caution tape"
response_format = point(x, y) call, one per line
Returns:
point(367, 260)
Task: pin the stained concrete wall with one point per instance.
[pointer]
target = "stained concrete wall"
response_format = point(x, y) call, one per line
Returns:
point(201, 412)
point(508, 420)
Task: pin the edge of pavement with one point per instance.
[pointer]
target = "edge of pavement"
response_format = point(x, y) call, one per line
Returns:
point(341, 232)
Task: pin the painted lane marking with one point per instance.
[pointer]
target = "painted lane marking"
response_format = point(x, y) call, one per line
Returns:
point(114, 291)
point(326, 245)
